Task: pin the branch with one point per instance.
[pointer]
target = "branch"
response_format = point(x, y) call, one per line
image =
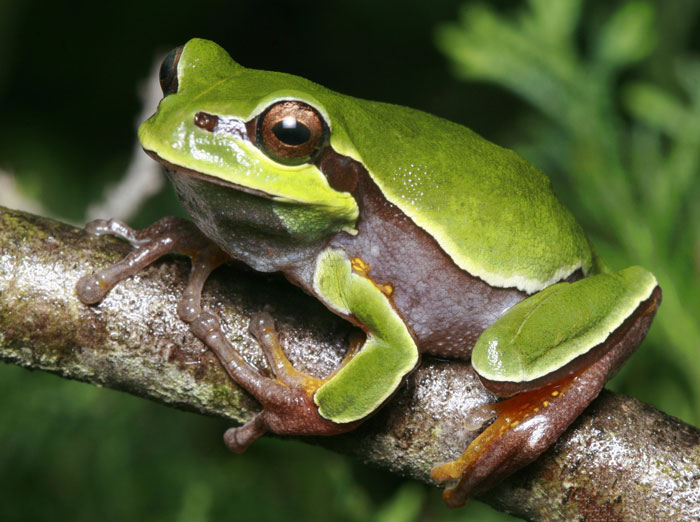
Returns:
point(621, 460)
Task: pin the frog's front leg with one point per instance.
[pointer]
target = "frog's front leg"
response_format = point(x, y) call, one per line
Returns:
point(165, 236)
point(552, 353)
point(293, 403)
point(286, 396)
point(298, 404)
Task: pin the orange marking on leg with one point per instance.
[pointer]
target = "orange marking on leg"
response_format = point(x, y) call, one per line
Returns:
point(385, 288)
point(359, 265)
point(511, 413)
point(284, 371)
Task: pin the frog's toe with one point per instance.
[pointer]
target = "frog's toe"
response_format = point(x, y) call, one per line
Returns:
point(238, 439)
point(168, 235)
point(262, 326)
point(112, 227)
point(92, 288)
point(286, 411)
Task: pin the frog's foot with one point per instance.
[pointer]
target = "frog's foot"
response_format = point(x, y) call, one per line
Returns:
point(526, 426)
point(286, 396)
point(528, 423)
point(165, 236)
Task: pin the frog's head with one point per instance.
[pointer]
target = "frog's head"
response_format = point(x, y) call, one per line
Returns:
point(240, 145)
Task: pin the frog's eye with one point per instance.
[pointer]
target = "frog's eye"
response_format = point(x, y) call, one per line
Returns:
point(168, 71)
point(290, 132)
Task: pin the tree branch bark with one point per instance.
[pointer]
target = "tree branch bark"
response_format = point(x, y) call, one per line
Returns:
point(621, 460)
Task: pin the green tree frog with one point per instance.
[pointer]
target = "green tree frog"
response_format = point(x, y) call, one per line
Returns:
point(426, 236)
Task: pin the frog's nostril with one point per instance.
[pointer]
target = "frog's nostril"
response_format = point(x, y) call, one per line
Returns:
point(206, 121)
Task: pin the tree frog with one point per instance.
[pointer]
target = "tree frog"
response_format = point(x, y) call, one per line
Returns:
point(426, 236)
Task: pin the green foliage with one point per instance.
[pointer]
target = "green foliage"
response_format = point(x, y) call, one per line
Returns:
point(624, 150)
point(627, 36)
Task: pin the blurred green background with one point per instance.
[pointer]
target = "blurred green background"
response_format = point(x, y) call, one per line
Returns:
point(604, 96)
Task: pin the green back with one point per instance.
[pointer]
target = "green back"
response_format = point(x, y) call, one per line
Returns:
point(492, 212)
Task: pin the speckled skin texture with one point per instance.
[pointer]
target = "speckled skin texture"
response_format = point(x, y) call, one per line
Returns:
point(445, 307)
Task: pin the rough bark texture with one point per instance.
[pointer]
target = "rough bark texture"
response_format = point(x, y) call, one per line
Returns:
point(621, 460)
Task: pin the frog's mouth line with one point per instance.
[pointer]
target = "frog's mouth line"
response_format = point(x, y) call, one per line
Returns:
point(177, 169)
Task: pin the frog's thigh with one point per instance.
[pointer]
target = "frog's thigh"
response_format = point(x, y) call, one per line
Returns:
point(388, 355)
point(617, 308)
point(553, 333)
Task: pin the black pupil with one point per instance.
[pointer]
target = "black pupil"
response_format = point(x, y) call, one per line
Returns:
point(291, 132)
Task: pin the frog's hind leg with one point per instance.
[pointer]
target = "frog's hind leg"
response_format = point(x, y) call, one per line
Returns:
point(530, 422)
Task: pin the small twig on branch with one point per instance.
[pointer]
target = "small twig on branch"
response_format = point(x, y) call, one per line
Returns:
point(621, 460)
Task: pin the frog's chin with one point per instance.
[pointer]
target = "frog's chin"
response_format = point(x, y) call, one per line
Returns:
point(173, 169)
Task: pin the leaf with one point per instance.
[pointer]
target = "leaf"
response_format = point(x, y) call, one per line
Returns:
point(628, 35)
point(554, 21)
point(656, 107)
